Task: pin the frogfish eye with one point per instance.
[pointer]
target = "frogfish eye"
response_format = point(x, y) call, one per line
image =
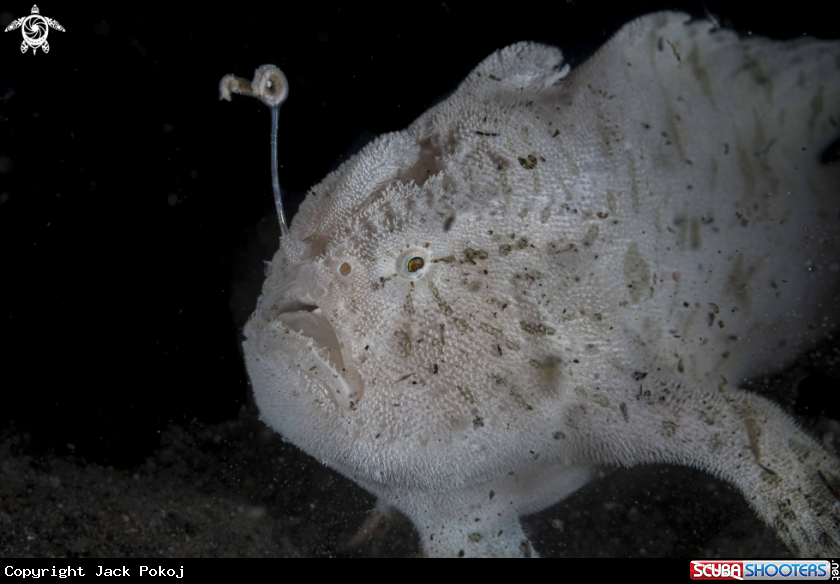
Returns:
point(414, 264)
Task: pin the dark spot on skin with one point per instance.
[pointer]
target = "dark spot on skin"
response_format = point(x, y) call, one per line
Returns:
point(639, 375)
point(529, 162)
point(492, 494)
point(536, 328)
point(478, 422)
point(463, 325)
point(447, 225)
point(559, 436)
point(435, 368)
point(444, 306)
point(474, 254)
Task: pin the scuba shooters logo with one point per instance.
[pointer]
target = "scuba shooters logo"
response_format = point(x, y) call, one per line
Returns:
point(764, 570)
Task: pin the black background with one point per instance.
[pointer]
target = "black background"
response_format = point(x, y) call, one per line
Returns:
point(121, 313)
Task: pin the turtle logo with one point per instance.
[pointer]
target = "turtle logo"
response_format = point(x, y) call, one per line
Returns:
point(35, 28)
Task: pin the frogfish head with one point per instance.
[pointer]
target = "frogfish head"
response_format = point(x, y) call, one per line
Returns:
point(405, 330)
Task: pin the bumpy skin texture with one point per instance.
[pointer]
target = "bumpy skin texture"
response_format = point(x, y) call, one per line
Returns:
point(607, 254)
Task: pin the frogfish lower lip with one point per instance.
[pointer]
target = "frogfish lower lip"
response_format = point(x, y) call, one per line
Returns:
point(310, 323)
